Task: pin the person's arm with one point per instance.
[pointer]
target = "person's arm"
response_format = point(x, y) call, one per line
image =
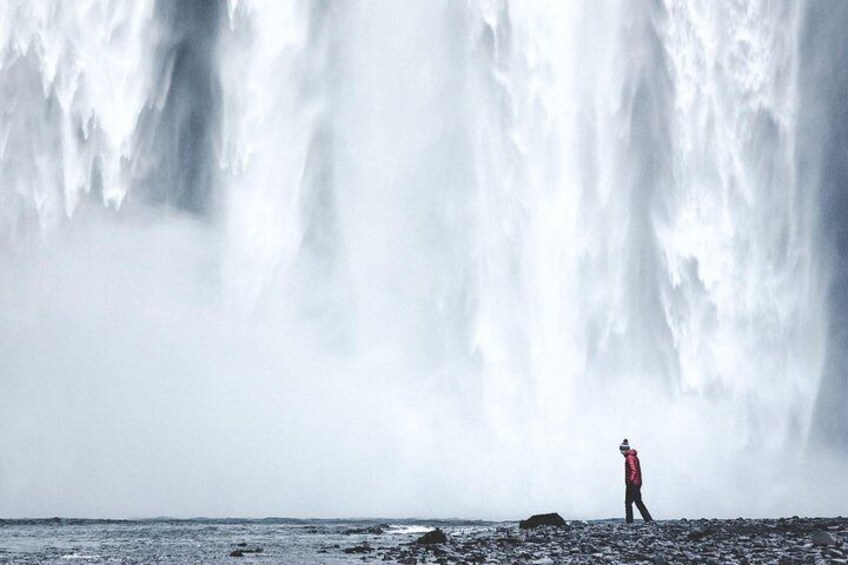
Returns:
point(634, 472)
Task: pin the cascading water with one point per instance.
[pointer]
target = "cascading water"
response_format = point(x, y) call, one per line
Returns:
point(435, 258)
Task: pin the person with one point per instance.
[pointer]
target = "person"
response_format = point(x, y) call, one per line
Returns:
point(633, 483)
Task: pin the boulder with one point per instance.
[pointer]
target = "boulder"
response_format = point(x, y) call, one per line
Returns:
point(436, 536)
point(821, 537)
point(241, 552)
point(364, 548)
point(700, 533)
point(537, 520)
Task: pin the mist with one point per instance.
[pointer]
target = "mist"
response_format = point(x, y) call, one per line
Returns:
point(435, 259)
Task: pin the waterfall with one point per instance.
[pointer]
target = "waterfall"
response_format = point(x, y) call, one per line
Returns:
point(425, 258)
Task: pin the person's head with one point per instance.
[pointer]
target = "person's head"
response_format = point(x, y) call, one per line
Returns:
point(624, 447)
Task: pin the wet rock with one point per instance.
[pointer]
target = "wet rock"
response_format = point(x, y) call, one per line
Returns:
point(538, 520)
point(363, 548)
point(436, 536)
point(243, 550)
point(377, 529)
point(821, 537)
point(700, 533)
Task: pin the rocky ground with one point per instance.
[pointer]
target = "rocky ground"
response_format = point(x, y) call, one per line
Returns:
point(782, 541)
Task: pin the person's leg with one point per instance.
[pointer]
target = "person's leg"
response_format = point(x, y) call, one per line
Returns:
point(628, 504)
point(643, 510)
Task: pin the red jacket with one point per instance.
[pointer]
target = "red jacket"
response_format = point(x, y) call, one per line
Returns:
point(632, 469)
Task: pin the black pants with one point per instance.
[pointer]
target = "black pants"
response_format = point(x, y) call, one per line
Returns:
point(634, 494)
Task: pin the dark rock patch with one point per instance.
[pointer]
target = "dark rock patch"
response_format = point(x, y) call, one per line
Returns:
point(700, 534)
point(538, 520)
point(742, 541)
point(436, 536)
point(377, 529)
point(363, 548)
point(821, 537)
point(242, 552)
